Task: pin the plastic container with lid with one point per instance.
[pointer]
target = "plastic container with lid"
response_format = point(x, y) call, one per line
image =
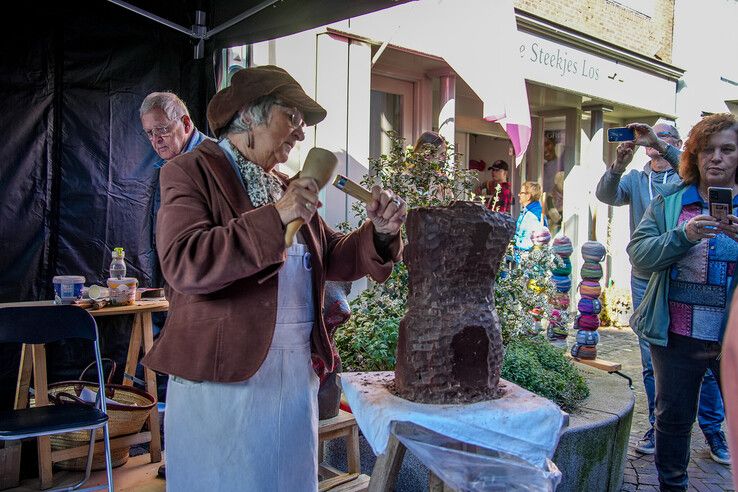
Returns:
point(67, 288)
point(122, 290)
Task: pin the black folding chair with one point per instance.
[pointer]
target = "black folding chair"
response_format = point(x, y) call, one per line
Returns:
point(38, 325)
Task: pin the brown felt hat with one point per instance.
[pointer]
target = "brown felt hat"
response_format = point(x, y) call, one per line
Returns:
point(250, 84)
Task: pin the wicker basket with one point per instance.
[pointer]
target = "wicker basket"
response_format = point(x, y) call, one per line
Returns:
point(126, 416)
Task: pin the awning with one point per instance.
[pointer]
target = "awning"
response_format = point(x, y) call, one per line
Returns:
point(477, 38)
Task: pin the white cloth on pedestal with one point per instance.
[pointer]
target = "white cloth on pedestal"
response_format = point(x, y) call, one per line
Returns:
point(520, 422)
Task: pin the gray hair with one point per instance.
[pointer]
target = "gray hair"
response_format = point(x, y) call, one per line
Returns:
point(168, 102)
point(670, 128)
point(258, 112)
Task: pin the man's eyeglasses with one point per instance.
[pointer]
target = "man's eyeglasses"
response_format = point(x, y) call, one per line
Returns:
point(296, 120)
point(160, 131)
point(666, 134)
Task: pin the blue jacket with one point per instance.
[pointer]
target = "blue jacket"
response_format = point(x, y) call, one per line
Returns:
point(529, 220)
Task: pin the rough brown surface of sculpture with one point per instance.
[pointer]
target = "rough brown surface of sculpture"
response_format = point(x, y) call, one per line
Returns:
point(450, 345)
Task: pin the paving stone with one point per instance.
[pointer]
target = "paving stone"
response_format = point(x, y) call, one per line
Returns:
point(696, 484)
point(697, 473)
point(642, 464)
point(648, 479)
point(711, 467)
point(648, 488)
point(716, 487)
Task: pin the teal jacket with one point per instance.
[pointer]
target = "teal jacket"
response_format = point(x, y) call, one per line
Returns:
point(656, 244)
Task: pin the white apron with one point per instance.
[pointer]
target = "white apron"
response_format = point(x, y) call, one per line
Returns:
point(260, 434)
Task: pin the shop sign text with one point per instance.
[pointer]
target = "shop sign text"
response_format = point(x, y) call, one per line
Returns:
point(560, 61)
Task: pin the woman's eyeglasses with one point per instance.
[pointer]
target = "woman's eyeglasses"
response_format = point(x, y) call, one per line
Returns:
point(296, 120)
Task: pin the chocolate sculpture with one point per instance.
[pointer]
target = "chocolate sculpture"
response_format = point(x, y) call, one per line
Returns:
point(450, 345)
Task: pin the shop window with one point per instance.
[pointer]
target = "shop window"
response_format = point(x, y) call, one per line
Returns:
point(391, 109)
point(554, 140)
point(386, 115)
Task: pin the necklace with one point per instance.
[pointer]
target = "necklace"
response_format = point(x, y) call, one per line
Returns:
point(261, 186)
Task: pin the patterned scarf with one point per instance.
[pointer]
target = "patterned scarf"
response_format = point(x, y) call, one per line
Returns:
point(262, 187)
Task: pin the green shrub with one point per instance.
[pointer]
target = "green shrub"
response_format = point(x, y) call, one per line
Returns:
point(523, 287)
point(541, 368)
point(368, 341)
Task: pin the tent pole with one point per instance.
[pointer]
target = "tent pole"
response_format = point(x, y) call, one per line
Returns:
point(154, 17)
point(200, 29)
point(239, 18)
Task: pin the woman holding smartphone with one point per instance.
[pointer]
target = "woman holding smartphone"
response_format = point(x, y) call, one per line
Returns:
point(691, 257)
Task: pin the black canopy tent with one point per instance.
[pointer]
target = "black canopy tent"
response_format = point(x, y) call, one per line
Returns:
point(76, 173)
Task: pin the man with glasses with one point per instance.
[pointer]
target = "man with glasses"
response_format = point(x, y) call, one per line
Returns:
point(166, 123)
point(637, 188)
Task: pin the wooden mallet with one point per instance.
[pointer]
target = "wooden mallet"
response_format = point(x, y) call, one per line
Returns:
point(319, 165)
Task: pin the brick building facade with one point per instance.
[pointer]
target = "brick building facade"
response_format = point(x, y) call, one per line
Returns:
point(648, 32)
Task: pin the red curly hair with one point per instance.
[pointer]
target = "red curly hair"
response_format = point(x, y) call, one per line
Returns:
point(697, 141)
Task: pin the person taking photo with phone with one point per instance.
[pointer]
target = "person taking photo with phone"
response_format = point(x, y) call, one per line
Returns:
point(691, 258)
point(637, 188)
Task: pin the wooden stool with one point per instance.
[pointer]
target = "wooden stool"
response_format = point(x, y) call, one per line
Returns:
point(342, 425)
point(387, 467)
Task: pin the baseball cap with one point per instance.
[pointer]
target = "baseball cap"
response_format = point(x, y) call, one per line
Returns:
point(498, 164)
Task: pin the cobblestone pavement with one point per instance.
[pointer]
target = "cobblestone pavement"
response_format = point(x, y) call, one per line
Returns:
point(705, 475)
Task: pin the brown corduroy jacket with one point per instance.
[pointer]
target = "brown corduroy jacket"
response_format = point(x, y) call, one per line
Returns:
point(220, 257)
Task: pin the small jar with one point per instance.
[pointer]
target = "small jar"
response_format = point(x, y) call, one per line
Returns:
point(122, 291)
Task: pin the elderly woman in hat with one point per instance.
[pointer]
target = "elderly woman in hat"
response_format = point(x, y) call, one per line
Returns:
point(244, 318)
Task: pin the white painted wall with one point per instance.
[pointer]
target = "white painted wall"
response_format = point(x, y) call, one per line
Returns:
point(344, 83)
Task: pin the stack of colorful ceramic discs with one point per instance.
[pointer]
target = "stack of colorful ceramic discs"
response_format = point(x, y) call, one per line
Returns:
point(589, 306)
point(562, 279)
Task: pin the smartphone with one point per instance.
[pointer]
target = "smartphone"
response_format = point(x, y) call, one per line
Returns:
point(620, 134)
point(720, 202)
